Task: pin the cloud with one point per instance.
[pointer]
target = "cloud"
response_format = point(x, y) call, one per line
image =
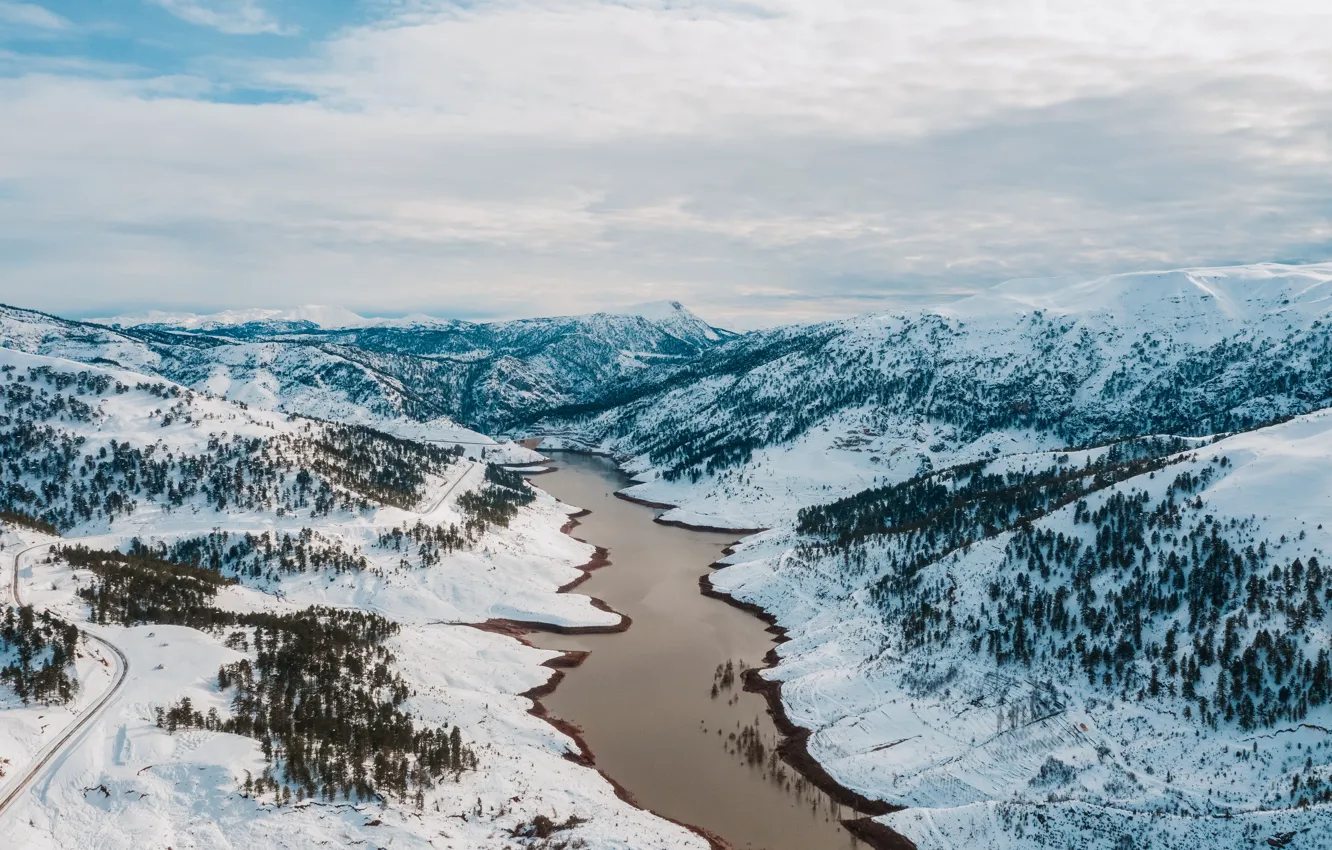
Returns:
point(31, 15)
point(237, 17)
point(763, 162)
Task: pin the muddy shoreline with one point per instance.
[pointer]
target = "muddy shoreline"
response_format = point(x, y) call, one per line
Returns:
point(518, 629)
point(793, 748)
point(687, 526)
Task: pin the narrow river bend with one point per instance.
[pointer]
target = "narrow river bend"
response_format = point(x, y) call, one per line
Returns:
point(644, 698)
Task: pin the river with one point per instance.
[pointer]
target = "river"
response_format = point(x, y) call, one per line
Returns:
point(656, 704)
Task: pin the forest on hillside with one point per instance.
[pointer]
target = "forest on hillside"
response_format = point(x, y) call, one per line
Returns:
point(57, 477)
point(316, 688)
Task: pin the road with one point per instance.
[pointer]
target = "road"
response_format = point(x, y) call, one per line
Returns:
point(63, 743)
point(471, 467)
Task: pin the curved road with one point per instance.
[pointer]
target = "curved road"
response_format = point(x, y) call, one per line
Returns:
point(56, 747)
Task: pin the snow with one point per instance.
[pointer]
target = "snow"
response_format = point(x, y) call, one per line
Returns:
point(1233, 295)
point(182, 790)
point(1142, 769)
point(964, 783)
point(124, 783)
point(314, 314)
point(1139, 774)
point(1044, 334)
point(676, 318)
point(672, 315)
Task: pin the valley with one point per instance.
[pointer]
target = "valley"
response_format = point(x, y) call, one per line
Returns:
point(1048, 566)
point(655, 703)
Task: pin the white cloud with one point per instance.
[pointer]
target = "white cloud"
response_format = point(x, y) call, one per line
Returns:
point(760, 161)
point(239, 17)
point(31, 15)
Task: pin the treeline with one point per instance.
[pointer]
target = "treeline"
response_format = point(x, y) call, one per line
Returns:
point(24, 521)
point(38, 651)
point(320, 694)
point(266, 555)
point(388, 469)
point(432, 542)
point(497, 502)
point(326, 707)
point(1148, 597)
point(1238, 617)
point(965, 503)
point(131, 589)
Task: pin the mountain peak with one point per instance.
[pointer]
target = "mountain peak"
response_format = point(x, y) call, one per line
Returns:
point(676, 318)
point(1230, 294)
point(657, 310)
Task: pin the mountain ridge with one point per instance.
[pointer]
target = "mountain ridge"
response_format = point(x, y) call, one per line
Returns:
point(399, 376)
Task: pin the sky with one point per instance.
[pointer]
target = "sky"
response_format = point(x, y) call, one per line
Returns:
point(762, 161)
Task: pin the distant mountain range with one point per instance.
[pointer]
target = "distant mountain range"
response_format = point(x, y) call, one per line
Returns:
point(398, 374)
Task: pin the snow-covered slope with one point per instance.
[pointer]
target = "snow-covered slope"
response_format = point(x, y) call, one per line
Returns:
point(1134, 657)
point(1009, 607)
point(397, 374)
point(760, 426)
point(286, 514)
point(310, 315)
point(1026, 644)
point(678, 320)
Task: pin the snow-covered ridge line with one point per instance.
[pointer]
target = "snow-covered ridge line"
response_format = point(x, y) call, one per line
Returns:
point(753, 430)
point(670, 314)
point(412, 377)
point(782, 420)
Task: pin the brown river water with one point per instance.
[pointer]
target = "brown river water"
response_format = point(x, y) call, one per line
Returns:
point(644, 698)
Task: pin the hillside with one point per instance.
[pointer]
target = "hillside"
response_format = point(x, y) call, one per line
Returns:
point(775, 420)
point(257, 629)
point(1064, 649)
point(1050, 561)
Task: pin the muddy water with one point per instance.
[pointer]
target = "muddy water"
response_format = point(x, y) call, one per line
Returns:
point(644, 698)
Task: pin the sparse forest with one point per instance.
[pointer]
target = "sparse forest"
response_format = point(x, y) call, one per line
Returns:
point(319, 692)
point(60, 479)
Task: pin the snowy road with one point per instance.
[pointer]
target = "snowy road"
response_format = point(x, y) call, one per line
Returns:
point(69, 737)
point(448, 491)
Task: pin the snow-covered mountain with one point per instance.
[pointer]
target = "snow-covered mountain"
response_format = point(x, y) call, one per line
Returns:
point(670, 317)
point(677, 320)
point(1055, 649)
point(764, 424)
point(253, 630)
point(416, 378)
point(1051, 561)
point(309, 315)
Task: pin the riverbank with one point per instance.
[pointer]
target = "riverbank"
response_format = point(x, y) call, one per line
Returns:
point(659, 583)
point(569, 659)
